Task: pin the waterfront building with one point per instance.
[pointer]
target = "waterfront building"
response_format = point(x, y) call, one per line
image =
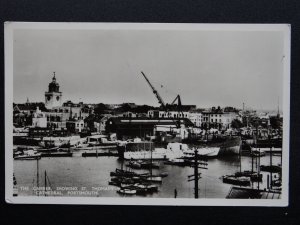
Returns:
point(75, 126)
point(167, 114)
point(22, 113)
point(218, 118)
point(143, 127)
point(53, 97)
point(101, 124)
point(39, 118)
point(56, 120)
point(194, 116)
point(40, 132)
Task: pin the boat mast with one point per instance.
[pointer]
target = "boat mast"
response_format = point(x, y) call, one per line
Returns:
point(45, 182)
point(271, 174)
point(196, 175)
point(240, 156)
point(150, 160)
point(258, 169)
point(37, 175)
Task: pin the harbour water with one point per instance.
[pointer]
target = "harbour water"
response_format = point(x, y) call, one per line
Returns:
point(89, 177)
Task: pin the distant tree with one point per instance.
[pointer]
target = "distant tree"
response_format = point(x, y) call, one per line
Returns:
point(275, 122)
point(90, 121)
point(41, 106)
point(100, 108)
point(236, 124)
point(142, 109)
point(125, 108)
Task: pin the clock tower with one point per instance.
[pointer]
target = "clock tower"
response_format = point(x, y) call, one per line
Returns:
point(53, 96)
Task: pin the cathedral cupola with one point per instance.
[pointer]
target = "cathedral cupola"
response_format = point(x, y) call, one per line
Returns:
point(53, 86)
point(53, 97)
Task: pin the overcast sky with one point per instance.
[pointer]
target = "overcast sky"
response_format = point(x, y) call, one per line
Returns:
point(207, 68)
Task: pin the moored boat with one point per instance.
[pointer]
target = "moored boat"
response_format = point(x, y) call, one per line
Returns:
point(57, 154)
point(28, 155)
point(230, 146)
point(272, 169)
point(176, 162)
point(126, 191)
point(257, 153)
point(232, 179)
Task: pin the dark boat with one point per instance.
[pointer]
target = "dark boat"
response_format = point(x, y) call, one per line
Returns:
point(96, 154)
point(176, 162)
point(134, 165)
point(271, 169)
point(232, 179)
point(125, 173)
point(254, 176)
point(149, 165)
point(267, 143)
point(57, 154)
point(142, 165)
point(257, 153)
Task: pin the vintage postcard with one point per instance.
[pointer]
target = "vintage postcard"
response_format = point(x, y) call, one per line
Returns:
point(147, 114)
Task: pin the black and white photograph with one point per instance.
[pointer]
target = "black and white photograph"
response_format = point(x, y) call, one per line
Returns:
point(147, 114)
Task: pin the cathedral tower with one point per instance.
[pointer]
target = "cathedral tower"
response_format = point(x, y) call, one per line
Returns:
point(53, 98)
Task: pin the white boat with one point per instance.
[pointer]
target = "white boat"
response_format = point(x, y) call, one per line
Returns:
point(100, 140)
point(173, 150)
point(29, 154)
point(59, 141)
point(273, 149)
point(208, 152)
point(125, 191)
point(154, 178)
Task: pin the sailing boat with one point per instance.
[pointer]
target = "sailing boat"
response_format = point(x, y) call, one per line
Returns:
point(153, 178)
point(239, 178)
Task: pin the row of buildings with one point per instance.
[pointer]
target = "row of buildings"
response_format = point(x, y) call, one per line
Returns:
point(78, 118)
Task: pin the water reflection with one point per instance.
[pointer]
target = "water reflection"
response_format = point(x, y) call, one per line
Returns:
point(94, 174)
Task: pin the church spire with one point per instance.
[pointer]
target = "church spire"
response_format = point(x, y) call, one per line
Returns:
point(54, 79)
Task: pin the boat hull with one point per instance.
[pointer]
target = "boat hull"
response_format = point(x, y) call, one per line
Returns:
point(231, 146)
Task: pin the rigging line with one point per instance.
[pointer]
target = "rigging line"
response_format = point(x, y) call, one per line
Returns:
point(50, 185)
point(207, 176)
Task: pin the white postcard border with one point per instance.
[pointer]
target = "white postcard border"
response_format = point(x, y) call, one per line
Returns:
point(11, 26)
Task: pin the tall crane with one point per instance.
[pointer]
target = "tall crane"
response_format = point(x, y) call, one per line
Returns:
point(164, 106)
point(179, 108)
point(160, 100)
